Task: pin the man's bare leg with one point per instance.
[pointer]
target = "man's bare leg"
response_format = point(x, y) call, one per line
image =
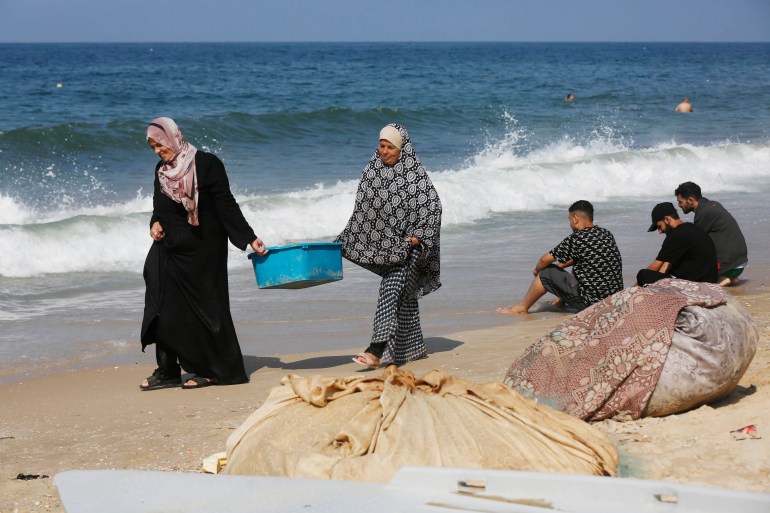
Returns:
point(535, 292)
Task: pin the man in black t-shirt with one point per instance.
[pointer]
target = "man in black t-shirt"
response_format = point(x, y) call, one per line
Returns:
point(688, 252)
point(597, 267)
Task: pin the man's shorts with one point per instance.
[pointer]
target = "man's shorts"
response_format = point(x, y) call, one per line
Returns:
point(734, 272)
point(563, 285)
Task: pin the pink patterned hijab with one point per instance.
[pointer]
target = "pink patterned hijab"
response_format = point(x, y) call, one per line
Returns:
point(178, 177)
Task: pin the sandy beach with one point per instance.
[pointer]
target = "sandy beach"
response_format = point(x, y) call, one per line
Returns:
point(98, 418)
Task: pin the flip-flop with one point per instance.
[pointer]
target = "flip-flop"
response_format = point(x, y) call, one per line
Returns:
point(157, 381)
point(367, 360)
point(199, 382)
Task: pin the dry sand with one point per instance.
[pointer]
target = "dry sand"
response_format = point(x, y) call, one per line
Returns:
point(98, 418)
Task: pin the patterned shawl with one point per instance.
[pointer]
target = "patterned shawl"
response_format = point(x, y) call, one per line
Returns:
point(178, 177)
point(393, 203)
point(605, 361)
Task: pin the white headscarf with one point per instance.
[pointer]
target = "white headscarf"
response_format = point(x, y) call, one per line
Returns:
point(391, 133)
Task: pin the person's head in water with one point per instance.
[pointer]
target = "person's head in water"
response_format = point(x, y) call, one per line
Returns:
point(570, 97)
point(685, 106)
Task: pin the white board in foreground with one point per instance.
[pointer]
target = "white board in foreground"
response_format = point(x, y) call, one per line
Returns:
point(413, 489)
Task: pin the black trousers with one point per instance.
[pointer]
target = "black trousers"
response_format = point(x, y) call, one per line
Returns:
point(168, 362)
point(647, 276)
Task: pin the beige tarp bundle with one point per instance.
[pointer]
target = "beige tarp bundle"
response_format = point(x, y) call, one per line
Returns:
point(367, 428)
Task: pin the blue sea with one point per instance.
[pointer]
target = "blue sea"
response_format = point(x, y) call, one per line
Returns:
point(296, 123)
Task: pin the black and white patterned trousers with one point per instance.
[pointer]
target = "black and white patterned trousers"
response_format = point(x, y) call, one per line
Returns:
point(397, 335)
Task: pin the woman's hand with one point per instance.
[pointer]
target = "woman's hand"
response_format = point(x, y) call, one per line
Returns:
point(156, 232)
point(259, 247)
point(414, 241)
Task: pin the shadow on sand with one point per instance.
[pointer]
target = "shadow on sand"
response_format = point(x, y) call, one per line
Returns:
point(254, 363)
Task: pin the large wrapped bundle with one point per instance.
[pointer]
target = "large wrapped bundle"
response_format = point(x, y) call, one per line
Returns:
point(367, 428)
point(710, 351)
point(606, 361)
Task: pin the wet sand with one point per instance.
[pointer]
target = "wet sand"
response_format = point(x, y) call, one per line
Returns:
point(99, 419)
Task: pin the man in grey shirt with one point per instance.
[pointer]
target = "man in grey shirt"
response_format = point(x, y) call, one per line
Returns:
point(714, 219)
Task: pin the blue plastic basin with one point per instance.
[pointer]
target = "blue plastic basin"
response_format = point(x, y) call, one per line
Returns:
point(298, 266)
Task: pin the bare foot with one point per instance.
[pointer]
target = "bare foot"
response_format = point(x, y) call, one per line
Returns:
point(197, 382)
point(515, 309)
point(725, 282)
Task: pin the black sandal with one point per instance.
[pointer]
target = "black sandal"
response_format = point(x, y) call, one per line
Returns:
point(158, 381)
point(198, 382)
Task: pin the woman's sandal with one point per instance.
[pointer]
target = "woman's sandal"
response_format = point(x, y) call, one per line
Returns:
point(367, 360)
point(198, 382)
point(158, 381)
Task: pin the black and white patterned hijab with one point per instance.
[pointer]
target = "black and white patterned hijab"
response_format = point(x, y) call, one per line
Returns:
point(393, 203)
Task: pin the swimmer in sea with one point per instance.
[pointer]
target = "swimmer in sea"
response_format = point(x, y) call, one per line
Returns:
point(685, 106)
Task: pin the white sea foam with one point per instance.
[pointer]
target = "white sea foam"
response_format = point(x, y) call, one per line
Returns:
point(499, 180)
point(13, 212)
point(502, 181)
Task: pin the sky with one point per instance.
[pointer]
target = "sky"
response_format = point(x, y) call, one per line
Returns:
point(27, 21)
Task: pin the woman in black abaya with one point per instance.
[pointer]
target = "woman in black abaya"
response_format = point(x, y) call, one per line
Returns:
point(395, 232)
point(187, 304)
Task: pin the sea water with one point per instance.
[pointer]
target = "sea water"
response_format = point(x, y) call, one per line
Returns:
point(296, 123)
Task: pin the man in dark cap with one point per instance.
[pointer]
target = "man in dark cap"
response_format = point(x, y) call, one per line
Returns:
point(688, 253)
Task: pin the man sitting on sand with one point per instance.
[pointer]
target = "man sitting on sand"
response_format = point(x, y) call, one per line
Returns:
point(721, 226)
point(597, 271)
point(685, 106)
point(687, 252)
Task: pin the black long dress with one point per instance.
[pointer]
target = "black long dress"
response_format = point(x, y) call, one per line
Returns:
point(187, 303)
